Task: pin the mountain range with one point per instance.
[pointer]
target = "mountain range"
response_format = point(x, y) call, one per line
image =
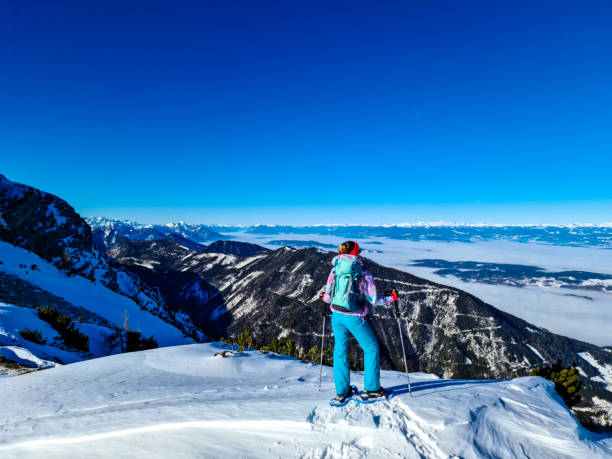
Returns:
point(562, 235)
point(107, 231)
point(575, 235)
point(181, 291)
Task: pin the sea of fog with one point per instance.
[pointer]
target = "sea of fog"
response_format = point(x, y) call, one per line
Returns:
point(580, 314)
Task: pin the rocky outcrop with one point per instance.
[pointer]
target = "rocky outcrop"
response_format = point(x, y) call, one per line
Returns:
point(50, 227)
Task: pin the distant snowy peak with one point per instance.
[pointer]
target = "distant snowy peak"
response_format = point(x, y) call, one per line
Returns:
point(575, 234)
point(502, 225)
point(103, 222)
point(197, 233)
point(590, 235)
point(108, 232)
point(417, 224)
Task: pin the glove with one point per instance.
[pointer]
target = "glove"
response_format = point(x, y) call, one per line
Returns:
point(324, 305)
point(392, 293)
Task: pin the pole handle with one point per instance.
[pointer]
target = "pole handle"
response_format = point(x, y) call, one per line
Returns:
point(395, 303)
point(324, 307)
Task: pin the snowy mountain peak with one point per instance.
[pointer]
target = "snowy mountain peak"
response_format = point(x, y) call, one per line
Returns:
point(108, 231)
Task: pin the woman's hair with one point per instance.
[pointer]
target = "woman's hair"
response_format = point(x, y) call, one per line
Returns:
point(346, 247)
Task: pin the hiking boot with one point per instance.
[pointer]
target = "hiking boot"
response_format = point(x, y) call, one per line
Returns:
point(340, 400)
point(372, 395)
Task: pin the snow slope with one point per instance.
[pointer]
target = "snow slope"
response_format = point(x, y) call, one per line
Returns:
point(93, 296)
point(185, 402)
point(13, 319)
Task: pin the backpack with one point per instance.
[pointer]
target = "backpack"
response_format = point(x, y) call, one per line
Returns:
point(345, 288)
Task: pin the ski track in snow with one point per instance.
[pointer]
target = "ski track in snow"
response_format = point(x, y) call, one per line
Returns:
point(185, 402)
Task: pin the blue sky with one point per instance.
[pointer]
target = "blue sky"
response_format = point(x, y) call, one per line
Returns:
point(357, 112)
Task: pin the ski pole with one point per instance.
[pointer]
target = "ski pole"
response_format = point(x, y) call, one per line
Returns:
point(324, 311)
point(322, 344)
point(399, 326)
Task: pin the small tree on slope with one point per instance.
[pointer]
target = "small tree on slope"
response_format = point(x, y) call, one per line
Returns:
point(567, 381)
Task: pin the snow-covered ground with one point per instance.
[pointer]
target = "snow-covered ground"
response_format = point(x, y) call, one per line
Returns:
point(564, 311)
point(82, 292)
point(185, 402)
point(13, 319)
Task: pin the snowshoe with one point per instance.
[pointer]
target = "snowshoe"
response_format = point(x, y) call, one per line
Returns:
point(371, 396)
point(341, 400)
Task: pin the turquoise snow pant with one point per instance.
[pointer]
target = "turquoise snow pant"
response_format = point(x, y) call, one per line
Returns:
point(342, 325)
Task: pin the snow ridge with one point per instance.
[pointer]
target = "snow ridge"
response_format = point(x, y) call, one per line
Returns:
point(255, 405)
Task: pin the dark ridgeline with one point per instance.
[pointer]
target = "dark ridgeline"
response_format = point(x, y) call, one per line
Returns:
point(239, 249)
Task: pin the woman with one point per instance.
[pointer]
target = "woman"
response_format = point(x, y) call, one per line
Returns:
point(348, 286)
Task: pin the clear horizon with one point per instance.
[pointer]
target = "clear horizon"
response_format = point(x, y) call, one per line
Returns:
point(237, 219)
